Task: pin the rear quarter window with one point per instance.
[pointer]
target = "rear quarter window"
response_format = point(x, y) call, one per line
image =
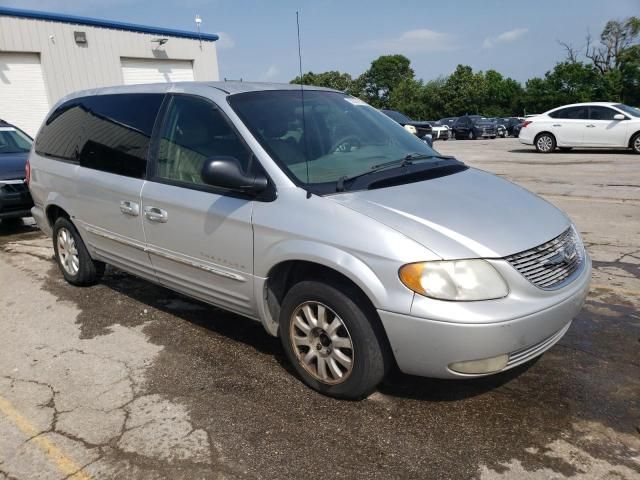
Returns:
point(59, 137)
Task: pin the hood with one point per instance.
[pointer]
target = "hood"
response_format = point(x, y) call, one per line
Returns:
point(464, 215)
point(418, 123)
point(12, 165)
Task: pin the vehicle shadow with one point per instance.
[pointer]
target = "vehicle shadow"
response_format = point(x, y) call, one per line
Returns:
point(220, 323)
point(16, 226)
point(398, 384)
point(575, 151)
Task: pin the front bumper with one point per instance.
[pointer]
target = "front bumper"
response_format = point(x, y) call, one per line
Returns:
point(426, 346)
point(15, 199)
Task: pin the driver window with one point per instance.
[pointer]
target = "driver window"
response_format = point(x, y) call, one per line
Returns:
point(193, 131)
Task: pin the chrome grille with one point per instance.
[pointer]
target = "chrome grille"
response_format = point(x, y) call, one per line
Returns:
point(551, 264)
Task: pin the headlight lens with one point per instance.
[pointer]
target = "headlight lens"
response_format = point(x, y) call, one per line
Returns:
point(462, 280)
point(411, 129)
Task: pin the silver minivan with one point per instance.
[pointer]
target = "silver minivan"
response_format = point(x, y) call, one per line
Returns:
point(313, 213)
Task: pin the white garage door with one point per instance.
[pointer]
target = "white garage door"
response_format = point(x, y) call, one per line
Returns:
point(23, 95)
point(138, 70)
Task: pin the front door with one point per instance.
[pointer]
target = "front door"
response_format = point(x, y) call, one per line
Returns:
point(603, 130)
point(199, 238)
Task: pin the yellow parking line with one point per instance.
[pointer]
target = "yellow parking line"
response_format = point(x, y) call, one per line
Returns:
point(53, 453)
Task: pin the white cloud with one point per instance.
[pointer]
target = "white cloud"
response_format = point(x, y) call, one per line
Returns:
point(505, 37)
point(421, 40)
point(271, 72)
point(225, 41)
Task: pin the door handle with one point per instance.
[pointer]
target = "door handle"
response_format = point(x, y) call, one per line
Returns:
point(591, 125)
point(130, 208)
point(156, 214)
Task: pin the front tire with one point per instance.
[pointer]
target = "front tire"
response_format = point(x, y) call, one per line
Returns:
point(72, 256)
point(329, 336)
point(545, 143)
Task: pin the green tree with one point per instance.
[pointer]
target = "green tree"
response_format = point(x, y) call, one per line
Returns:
point(568, 82)
point(464, 92)
point(332, 79)
point(384, 75)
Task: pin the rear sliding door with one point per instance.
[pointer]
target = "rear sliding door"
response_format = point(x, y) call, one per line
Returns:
point(113, 158)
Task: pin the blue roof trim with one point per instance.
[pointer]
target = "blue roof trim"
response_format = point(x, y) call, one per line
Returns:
point(94, 22)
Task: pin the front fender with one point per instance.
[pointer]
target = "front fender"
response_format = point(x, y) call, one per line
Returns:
point(331, 257)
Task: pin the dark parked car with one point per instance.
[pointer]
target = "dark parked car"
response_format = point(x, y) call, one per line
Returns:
point(420, 129)
point(510, 123)
point(15, 199)
point(516, 128)
point(474, 126)
point(448, 121)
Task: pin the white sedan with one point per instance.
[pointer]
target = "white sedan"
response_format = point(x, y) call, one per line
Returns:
point(598, 124)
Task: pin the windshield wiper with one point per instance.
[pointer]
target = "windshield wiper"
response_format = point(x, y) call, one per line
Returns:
point(402, 162)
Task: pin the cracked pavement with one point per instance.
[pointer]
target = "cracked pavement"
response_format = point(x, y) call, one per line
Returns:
point(129, 380)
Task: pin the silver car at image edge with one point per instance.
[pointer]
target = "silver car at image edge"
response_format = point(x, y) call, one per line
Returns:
point(313, 213)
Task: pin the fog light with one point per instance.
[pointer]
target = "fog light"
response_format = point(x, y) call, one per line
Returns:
point(485, 365)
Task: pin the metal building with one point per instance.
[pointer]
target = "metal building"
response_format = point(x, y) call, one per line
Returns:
point(44, 56)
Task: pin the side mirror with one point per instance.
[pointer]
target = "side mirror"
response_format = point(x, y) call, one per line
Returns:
point(619, 116)
point(225, 172)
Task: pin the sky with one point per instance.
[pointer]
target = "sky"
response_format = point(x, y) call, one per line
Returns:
point(518, 38)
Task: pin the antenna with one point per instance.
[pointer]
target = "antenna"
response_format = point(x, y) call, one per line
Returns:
point(304, 126)
point(299, 50)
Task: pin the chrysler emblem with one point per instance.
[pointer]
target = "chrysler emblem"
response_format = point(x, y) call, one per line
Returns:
point(565, 255)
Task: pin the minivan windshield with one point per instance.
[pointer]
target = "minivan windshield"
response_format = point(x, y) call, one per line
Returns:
point(13, 141)
point(328, 139)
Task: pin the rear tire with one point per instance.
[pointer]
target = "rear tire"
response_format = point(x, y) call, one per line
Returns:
point(330, 337)
point(72, 257)
point(635, 143)
point(545, 143)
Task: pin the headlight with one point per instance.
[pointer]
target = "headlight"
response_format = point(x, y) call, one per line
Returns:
point(454, 280)
point(411, 129)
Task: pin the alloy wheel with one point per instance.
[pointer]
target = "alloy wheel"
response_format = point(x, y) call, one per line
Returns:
point(636, 144)
point(544, 143)
point(67, 252)
point(321, 342)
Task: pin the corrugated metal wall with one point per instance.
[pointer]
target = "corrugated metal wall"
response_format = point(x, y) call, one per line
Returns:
point(69, 66)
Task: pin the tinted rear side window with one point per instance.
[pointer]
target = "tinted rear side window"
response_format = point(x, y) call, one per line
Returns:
point(575, 113)
point(601, 113)
point(118, 132)
point(60, 135)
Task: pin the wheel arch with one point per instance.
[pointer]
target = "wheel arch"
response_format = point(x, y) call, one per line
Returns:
point(315, 261)
point(57, 205)
point(542, 133)
point(631, 137)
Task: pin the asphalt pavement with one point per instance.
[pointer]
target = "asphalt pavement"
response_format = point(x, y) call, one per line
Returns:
point(126, 379)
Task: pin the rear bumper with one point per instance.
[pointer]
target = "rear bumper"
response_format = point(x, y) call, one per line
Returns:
point(40, 217)
point(15, 201)
point(427, 347)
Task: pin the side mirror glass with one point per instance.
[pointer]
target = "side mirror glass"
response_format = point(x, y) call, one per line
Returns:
point(619, 116)
point(226, 172)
